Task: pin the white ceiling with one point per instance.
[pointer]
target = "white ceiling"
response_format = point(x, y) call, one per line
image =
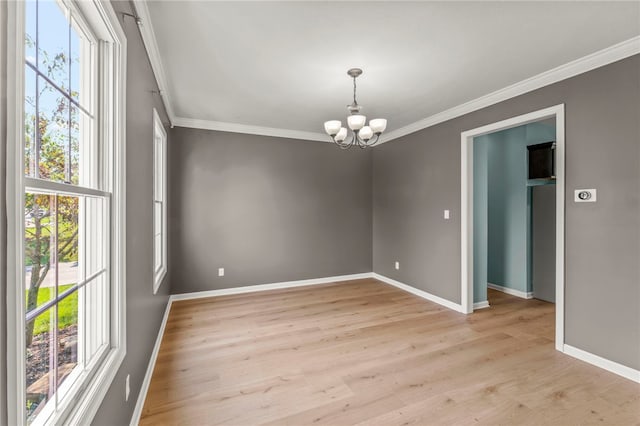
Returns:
point(283, 64)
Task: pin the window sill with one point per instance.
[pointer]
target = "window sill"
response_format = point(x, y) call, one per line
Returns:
point(90, 399)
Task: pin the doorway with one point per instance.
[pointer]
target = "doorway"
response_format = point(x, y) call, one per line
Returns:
point(470, 141)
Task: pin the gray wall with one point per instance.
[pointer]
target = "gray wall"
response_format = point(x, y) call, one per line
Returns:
point(418, 176)
point(265, 209)
point(144, 310)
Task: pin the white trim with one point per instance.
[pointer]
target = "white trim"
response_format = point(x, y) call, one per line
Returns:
point(271, 286)
point(249, 129)
point(36, 185)
point(598, 361)
point(150, 43)
point(3, 181)
point(15, 222)
point(144, 388)
point(587, 63)
point(511, 291)
point(89, 401)
point(420, 293)
point(466, 202)
point(480, 305)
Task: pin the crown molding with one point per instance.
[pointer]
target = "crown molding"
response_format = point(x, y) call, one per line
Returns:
point(149, 41)
point(249, 129)
point(587, 63)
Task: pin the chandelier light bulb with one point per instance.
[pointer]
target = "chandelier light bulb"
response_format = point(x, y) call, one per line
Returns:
point(378, 125)
point(356, 122)
point(365, 133)
point(332, 127)
point(341, 135)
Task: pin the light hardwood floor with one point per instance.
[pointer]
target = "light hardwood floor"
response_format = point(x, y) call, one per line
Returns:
point(363, 352)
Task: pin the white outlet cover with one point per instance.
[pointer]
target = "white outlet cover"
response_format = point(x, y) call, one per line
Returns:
point(397, 265)
point(221, 272)
point(446, 214)
point(585, 196)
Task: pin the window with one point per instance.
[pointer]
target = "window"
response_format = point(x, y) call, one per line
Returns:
point(159, 201)
point(67, 327)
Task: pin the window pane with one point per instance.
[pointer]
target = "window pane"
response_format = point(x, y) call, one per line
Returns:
point(157, 248)
point(157, 218)
point(69, 271)
point(30, 8)
point(53, 43)
point(39, 226)
point(95, 238)
point(29, 121)
point(73, 160)
point(54, 132)
point(158, 170)
point(74, 62)
point(67, 336)
point(157, 236)
point(39, 364)
point(96, 321)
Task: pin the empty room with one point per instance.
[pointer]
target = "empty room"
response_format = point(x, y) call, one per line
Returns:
point(319, 212)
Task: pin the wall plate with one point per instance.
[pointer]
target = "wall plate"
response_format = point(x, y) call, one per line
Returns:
point(585, 196)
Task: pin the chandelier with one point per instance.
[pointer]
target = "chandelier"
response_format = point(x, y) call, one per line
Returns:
point(361, 135)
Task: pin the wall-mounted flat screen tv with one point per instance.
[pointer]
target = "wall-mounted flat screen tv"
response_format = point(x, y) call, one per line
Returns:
point(542, 161)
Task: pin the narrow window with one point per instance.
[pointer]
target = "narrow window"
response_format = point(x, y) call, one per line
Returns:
point(159, 201)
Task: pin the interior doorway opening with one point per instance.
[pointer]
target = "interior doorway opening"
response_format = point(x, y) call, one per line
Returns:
point(512, 215)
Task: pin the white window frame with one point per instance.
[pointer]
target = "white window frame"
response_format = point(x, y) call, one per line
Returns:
point(159, 178)
point(104, 22)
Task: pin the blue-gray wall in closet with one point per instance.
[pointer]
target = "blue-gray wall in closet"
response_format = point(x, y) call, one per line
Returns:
point(501, 207)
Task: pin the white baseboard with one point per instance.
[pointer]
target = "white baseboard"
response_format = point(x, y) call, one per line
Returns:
point(511, 291)
point(598, 361)
point(481, 305)
point(142, 395)
point(425, 295)
point(271, 286)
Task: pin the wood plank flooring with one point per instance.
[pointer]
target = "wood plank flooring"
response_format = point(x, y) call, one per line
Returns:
point(365, 353)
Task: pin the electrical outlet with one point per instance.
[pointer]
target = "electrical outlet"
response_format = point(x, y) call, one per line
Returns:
point(397, 265)
point(221, 272)
point(446, 214)
point(127, 388)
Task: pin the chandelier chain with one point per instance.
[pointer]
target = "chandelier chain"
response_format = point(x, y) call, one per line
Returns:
point(354, 92)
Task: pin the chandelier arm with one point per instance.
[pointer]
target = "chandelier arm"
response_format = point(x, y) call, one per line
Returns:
point(375, 141)
point(361, 143)
point(344, 144)
point(370, 142)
